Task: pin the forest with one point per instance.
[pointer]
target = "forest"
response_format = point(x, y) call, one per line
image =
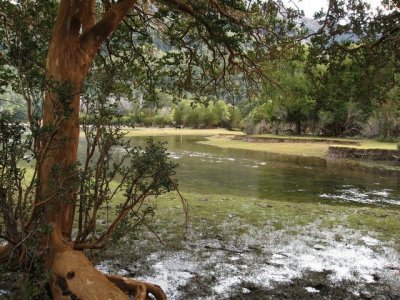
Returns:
point(78, 77)
point(343, 82)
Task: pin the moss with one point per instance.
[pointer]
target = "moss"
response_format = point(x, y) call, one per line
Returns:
point(211, 214)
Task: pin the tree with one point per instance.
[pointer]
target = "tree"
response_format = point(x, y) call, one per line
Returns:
point(209, 40)
point(293, 94)
point(353, 63)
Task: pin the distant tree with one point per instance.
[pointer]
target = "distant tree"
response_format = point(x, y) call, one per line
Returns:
point(353, 61)
point(293, 94)
point(13, 103)
point(289, 98)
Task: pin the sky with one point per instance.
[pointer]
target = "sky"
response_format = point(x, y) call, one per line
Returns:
point(311, 6)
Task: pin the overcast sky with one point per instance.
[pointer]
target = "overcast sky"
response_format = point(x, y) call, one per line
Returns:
point(311, 6)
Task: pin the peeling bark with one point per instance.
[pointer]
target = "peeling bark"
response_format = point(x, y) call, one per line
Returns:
point(70, 55)
point(68, 61)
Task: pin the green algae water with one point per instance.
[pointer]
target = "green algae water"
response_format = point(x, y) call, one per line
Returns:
point(205, 169)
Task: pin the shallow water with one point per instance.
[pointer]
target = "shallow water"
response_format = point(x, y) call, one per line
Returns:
point(215, 269)
point(243, 261)
point(206, 169)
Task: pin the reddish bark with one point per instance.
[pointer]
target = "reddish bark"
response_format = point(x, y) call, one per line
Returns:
point(75, 41)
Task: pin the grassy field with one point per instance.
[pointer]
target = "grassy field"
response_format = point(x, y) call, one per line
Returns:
point(373, 144)
point(305, 149)
point(298, 148)
point(364, 143)
point(208, 212)
point(208, 215)
point(220, 138)
point(142, 131)
point(235, 242)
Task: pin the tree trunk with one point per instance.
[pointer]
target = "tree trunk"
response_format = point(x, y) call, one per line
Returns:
point(75, 41)
point(298, 126)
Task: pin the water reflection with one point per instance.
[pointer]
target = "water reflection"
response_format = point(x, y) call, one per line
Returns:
point(211, 170)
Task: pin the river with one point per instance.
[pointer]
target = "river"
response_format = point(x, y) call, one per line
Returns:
point(205, 169)
point(242, 248)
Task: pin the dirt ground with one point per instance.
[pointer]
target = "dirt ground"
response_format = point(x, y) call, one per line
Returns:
point(313, 263)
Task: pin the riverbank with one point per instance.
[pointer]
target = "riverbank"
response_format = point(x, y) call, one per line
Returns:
point(354, 143)
point(300, 146)
point(151, 131)
point(306, 147)
point(245, 248)
point(273, 141)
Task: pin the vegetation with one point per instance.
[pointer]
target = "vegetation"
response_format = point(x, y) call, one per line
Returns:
point(278, 214)
point(96, 65)
point(186, 113)
point(61, 59)
point(173, 131)
point(297, 149)
point(344, 82)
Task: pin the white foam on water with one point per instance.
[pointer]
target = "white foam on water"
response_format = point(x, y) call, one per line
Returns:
point(353, 194)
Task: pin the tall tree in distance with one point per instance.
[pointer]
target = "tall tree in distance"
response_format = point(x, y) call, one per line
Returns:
point(358, 50)
point(208, 40)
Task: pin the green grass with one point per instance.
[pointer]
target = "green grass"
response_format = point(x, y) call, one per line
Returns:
point(298, 149)
point(209, 215)
point(304, 137)
point(224, 216)
point(364, 143)
point(287, 148)
point(141, 131)
point(373, 144)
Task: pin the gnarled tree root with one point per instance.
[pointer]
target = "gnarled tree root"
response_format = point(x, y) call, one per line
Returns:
point(74, 277)
point(140, 289)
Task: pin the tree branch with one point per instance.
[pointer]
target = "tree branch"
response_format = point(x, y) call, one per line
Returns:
point(88, 17)
point(182, 7)
point(93, 38)
point(68, 18)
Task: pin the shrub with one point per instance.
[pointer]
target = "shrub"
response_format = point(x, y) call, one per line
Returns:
point(387, 139)
point(248, 126)
point(261, 128)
